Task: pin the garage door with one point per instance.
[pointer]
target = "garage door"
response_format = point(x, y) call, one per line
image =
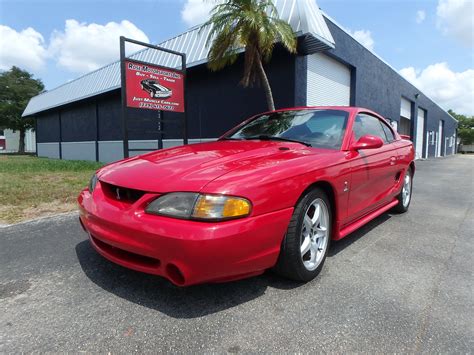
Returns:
point(440, 138)
point(420, 128)
point(405, 108)
point(329, 82)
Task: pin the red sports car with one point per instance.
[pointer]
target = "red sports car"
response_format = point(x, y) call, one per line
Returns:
point(271, 193)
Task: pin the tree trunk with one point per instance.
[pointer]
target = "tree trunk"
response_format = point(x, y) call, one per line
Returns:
point(21, 146)
point(266, 85)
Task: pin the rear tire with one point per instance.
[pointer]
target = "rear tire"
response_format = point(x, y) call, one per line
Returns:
point(404, 197)
point(306, 243)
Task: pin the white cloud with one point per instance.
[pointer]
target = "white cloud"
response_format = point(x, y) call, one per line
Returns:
point(452, 90)
point(84, 47)
point(410, 74)
point(364, 37)
point(195, 12)
point(454, 18)
point(25, 49)
point(420, 16)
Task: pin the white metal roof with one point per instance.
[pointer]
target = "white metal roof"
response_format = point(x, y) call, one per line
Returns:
point(304, 17)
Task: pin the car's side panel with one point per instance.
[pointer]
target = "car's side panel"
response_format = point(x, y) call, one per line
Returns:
point(406, 154)
point(373, 180)
point(374, 172)
point(344, 231)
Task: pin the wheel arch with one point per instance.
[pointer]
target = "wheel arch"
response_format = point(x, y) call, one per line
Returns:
point(330, 192)
point(412, 167)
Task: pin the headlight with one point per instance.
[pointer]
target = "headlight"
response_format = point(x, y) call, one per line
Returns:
point(191, 205)
point(93, 181)
point(178, 205)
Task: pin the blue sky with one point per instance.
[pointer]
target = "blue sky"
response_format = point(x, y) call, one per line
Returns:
point(430, 42)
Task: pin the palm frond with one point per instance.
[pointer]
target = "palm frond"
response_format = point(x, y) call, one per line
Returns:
point(224, 50)
point(252, 24)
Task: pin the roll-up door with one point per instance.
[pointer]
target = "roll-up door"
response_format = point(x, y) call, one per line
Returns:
point(420, 128)
point(329, 82)
point(405, 108)
point(439, 139)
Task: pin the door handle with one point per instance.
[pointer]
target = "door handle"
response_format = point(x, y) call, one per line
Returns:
point(393, 160)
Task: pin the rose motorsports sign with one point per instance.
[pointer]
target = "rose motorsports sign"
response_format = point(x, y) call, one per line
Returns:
point(153, 87)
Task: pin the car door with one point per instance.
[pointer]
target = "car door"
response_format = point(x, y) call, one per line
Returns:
point(373, 171)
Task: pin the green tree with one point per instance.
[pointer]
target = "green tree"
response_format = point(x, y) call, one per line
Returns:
point(253, 25)
point(465, 127)
point(17, 87)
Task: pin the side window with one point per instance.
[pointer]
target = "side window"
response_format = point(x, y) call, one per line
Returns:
point(365, 124)
point(388, 132)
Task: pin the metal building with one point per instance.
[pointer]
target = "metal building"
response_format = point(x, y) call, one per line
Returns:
point(81, 119)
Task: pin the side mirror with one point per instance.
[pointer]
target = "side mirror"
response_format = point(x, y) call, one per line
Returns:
point(367, 142)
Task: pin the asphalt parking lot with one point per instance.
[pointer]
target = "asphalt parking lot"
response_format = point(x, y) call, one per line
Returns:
point(404, 283)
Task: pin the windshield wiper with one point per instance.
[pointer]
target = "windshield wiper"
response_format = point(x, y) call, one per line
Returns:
point(273, 138)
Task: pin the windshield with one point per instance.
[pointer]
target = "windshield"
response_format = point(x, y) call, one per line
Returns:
point(318, 128)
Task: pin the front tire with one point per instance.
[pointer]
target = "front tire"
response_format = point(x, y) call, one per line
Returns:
point(404, 197)
point(306, 243)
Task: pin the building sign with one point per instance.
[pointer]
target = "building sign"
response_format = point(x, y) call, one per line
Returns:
point(153, 87)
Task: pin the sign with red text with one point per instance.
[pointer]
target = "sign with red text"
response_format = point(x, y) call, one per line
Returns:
point(153, 87)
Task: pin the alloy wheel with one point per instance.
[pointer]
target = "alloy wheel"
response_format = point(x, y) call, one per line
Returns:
point(406, 191)
point(314, 234)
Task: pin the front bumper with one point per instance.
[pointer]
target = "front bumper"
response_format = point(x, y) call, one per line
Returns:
point(185, 252)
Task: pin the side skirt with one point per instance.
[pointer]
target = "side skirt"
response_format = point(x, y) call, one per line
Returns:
point(360, 222)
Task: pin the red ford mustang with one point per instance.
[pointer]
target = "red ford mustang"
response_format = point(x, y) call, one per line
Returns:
point(271, 193)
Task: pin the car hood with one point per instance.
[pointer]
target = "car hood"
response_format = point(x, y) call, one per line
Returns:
point(191, 167)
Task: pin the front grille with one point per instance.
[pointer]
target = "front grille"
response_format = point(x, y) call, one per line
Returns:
point(122, 194)
point(124, 255)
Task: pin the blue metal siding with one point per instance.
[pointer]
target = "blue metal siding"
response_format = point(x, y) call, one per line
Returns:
point(301, 77)
point(47, 129)
point(217, 101)
point(78, 123)
point(109, 111)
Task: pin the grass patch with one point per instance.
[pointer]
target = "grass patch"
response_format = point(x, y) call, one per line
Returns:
point(33, 187)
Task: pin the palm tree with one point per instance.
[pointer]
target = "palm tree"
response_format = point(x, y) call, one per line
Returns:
point(253, 25)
